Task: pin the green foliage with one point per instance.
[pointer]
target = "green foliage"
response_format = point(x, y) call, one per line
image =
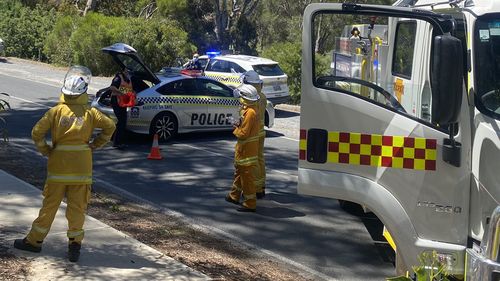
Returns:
point(159, 42)
point(57, 45)
point(172, 8)
point(77, 40)
point(244, 36)
point(24, 29)
point(93, 33)
point(125, 8)
point(430, 269)
point(289, 56)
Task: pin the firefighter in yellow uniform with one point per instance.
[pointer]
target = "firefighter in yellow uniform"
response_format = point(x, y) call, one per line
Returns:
point(69, 168)
point(252, 78)
point(245, 154)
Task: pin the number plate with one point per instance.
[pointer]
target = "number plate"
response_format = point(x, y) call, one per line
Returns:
point(276, 87)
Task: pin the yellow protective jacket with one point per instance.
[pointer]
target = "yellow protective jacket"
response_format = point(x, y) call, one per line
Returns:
point(71, 124)
point(262, 113)
point(245, 153)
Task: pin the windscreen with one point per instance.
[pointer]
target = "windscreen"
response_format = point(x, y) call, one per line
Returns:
point(375, 57)
point(487, 65)
point(268, 69)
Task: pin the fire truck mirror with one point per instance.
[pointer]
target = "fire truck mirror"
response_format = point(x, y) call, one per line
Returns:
point(446, 79)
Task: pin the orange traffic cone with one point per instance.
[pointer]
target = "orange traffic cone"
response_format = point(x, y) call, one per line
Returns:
point(155, 150)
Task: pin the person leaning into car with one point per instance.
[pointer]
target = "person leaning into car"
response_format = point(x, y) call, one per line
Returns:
point(120, 85)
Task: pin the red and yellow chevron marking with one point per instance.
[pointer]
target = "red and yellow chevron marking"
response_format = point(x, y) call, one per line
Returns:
point(377, 150)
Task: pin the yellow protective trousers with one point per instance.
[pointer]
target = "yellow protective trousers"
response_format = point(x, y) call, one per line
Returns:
point(77, 198)
point(243, 184)
point(260, 168)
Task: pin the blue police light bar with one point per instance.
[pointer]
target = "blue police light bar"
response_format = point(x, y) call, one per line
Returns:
point(212, 54)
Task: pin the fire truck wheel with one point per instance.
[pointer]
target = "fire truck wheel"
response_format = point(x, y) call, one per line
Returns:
point(350, 207)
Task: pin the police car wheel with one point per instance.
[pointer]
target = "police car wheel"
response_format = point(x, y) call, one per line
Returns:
point(165, 125)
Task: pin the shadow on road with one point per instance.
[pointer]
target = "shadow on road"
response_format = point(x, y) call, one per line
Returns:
point(278, 212)
point(285, 114)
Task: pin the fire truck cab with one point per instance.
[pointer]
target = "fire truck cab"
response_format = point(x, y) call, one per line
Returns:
point(406, 121)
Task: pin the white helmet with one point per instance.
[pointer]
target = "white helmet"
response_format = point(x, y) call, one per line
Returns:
point(251, 77)
point(76, 81)
point(247, 92)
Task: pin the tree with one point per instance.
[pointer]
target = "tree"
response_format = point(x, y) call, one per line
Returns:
point(89, 7)
point(228, 15)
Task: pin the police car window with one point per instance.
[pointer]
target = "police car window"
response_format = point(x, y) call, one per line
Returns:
point(179, 87)
point(218, 66)
point(203, 63)
point(235, 68)
point(268, 70)
point(213, 88)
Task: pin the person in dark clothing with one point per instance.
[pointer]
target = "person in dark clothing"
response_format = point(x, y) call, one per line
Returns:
point(120, 85)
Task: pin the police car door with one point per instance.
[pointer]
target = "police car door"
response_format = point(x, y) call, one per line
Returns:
point(183, 98)
point(222, 104)
point(358, 143)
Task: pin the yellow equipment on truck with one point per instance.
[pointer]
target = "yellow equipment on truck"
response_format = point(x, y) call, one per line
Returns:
point(406, 122)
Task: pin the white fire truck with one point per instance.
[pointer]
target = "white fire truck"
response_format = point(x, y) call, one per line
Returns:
point(406, 122)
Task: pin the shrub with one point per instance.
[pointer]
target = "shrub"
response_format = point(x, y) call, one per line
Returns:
point(159, 42)
point(24, 29)
point(57, 44)
point(289, 57)
point(94, 32)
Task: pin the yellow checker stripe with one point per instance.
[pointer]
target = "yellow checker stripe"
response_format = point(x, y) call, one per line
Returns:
point(377, 150)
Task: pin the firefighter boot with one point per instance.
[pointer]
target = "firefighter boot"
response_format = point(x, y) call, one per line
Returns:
point(261, 194)
point(74, 251)
point(23, 244)
point(231, 200)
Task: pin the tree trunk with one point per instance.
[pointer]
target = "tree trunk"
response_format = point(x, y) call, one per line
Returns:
point(90, 6)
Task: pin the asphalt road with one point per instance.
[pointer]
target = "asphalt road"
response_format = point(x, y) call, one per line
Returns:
point(311, 233)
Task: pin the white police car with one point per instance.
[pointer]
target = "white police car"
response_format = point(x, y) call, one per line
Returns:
point(171, 103)
point(228, 69)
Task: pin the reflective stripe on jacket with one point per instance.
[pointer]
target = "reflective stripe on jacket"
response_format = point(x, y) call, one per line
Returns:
point(125, 87)
point(71, 124)
point(262, 113)
point(245, 153)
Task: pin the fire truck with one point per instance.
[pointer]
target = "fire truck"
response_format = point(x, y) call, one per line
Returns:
point(405, 121)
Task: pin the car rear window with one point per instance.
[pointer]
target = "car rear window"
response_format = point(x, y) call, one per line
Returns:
point(268, 69)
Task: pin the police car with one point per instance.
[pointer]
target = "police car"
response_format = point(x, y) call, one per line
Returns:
point(169, 103)
point(228, 69)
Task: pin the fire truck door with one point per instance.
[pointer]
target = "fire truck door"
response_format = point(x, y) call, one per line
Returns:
point(370, 149)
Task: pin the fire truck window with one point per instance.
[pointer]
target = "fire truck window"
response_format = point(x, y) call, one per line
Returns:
point(487, 66)
point(375, 58)
point(403, 49)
